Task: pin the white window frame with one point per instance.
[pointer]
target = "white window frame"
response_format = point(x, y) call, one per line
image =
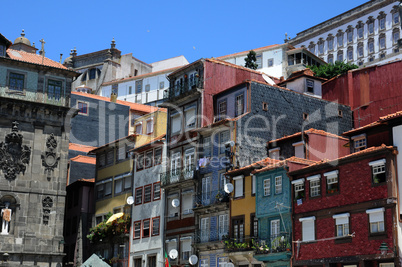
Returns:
point(139, 124)
point(376, 218)
point(316, 187)
point(267, 187)
point(342, 224)
point(359, 142)
point(308, 228)
point(278, 185)
point(298, 185)
point(332, 178)
point(377, 167)
point(150, 125)
point(238, 185)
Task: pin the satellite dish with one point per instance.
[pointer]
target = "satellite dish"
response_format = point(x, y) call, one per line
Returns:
point(193, 260)
point(175, 203)
point(230, 264)
point(173, 254)
point(130, 200)
point(228, 188)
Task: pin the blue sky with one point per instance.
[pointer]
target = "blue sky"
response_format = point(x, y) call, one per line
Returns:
point(155, 30)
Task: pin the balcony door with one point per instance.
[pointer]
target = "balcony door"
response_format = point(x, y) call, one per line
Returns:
point(189, 163)
point(175, 167)
point(238, 229)
point(204, 229)
point(206, 190)
point(223, 225)
point(275, 232)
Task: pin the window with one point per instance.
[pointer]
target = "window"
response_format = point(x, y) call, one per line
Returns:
point(238, 229)
point(206, 146)
point(130, 90)
point(238, 184)
point(350, 53)
point(308, 228)
point(204, 227)
point(145, 228)
point(118, 185)
point(254, 226)
point(206, 190)
point(264, 106)
point(360, 52)
point(223, 226)
point(102, 160)
point(299, 188)
point(311, 48)
point(92, 74)
point(359, 142)
point(360, 32)
point(138, 196)
point(150, 126)
point(342, 224)
point(382, 41)
point(138, 87)
point(16, 81)
point(147, 193)
point(339, 38)
point(330, 59)
point(155, 226)
point(185, 247)
point(110, 157)
point(275, 232)
point(378, 171)
point(140, 161)
point(371, 45)
point(190, 116)
point(267, 187)
point(127, 181)
point(175, 163)
point(157, 191)
point(176, 123)
point(371, 26)
point(223, 138)
point(258, 60)
point(315, 187)
point(299, 149)
point(274, 153)
point(54, 89)
point(161, 85)
point(270, 62)
point(189, 159)
point(222, 181)
point(2, 50)
point(278, 184)
point(330, 42)
point(138, 128)
point(222, 108)
point(376, 220)
point(395, 17)
point(381, 23)
point(158, 156)
point(332, 182)
point(83, 107)
point(148, 158)
point(395, 36)
point(339, 56)
point(121, 151)
point(239, 105)
point(187, 199)
point(321, 47)
point(310, 86)
point(147, 88)
point(104, 188)
point(151, 261)
point(350, 35)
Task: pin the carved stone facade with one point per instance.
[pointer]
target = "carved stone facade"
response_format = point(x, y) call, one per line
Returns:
point(34, 127)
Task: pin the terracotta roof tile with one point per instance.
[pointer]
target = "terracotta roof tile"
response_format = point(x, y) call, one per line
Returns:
point(356, 154)
point(246, 52)
point(380, 121)
point(258, 164)
point(284, 162)
point(84, 159)
point(78, 147)
point(302, 73)
point(92, 180)
point(133, 106)
point(33, 58)
point(131, 136)
point(311, 130)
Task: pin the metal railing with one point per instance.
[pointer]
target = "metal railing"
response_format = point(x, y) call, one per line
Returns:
point(33, 96)
point(215, 235)
point(210, 198)
point(177, 175)
point(273, 244)
point(181, 88)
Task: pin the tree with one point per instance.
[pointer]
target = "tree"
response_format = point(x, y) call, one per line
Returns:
point(250, 60)
point(331, 70)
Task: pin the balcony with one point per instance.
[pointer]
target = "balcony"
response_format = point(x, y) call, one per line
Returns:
point(215, 235)
point(211, 198)
point(182, 89)
point(177, 175)
point(274, 244)
point(33, 96)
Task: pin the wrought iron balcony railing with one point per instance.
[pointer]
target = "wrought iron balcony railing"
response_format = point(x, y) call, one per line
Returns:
point(215, 235)
point(178, 175)
point(273, 244)
point(182, 88)
point(210, 198)
point(34, 96)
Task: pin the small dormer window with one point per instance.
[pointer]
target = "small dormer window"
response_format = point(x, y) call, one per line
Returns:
point(359, 142)
point(310, 86)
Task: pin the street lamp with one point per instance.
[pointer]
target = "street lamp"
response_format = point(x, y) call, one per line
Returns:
point(384, 248)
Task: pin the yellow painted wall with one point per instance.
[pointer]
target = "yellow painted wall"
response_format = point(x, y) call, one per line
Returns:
point(160, 121)
point(244, 206)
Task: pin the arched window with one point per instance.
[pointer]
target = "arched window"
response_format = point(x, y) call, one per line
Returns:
point(330, 42)
point(339, 37)
point(339, 56)
point(311, 47)
point(370, 25)
point(382, 42)
point(395, 35)
point(320, 44)
point(349, 32)
point(381, 21)
point(8, 206)
point(350, 53)
point(360, 50)
point(360, 30)
point(370, 46)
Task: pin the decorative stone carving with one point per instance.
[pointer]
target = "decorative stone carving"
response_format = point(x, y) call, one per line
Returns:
point(13, 155)
point(50, 159)
point(47, 204)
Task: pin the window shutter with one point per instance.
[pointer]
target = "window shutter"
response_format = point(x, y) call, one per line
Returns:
point(308, 230)
point(176, 124)
point(254, 184)
point(376, 217)
point(186, 245)
point(108, 190)
point(341, 218)
point(190, 117)
point(187, 203)
point(239, 187)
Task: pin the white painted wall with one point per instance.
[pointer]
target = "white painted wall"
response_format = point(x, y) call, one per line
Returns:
point(299, 85)
point(169, 63)
point(390, 46)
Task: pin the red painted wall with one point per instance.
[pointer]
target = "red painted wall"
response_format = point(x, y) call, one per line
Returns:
point(323, 147)
point(354, 186)
point(377, 87)
point(361, 244)
point(219, 77)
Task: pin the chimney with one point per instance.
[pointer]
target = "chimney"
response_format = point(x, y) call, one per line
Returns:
point(113, 98)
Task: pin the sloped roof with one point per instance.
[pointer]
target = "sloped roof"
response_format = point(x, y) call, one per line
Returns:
point(133, 106)
point(33, 58)
point(129, 137)
point(284, 162)
point(156, 139)
point(84, 159)
point(246, 52)
point(258, 164)
point(78, 147)
point(302, 73)
point(8, 42)
point(311, 130)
